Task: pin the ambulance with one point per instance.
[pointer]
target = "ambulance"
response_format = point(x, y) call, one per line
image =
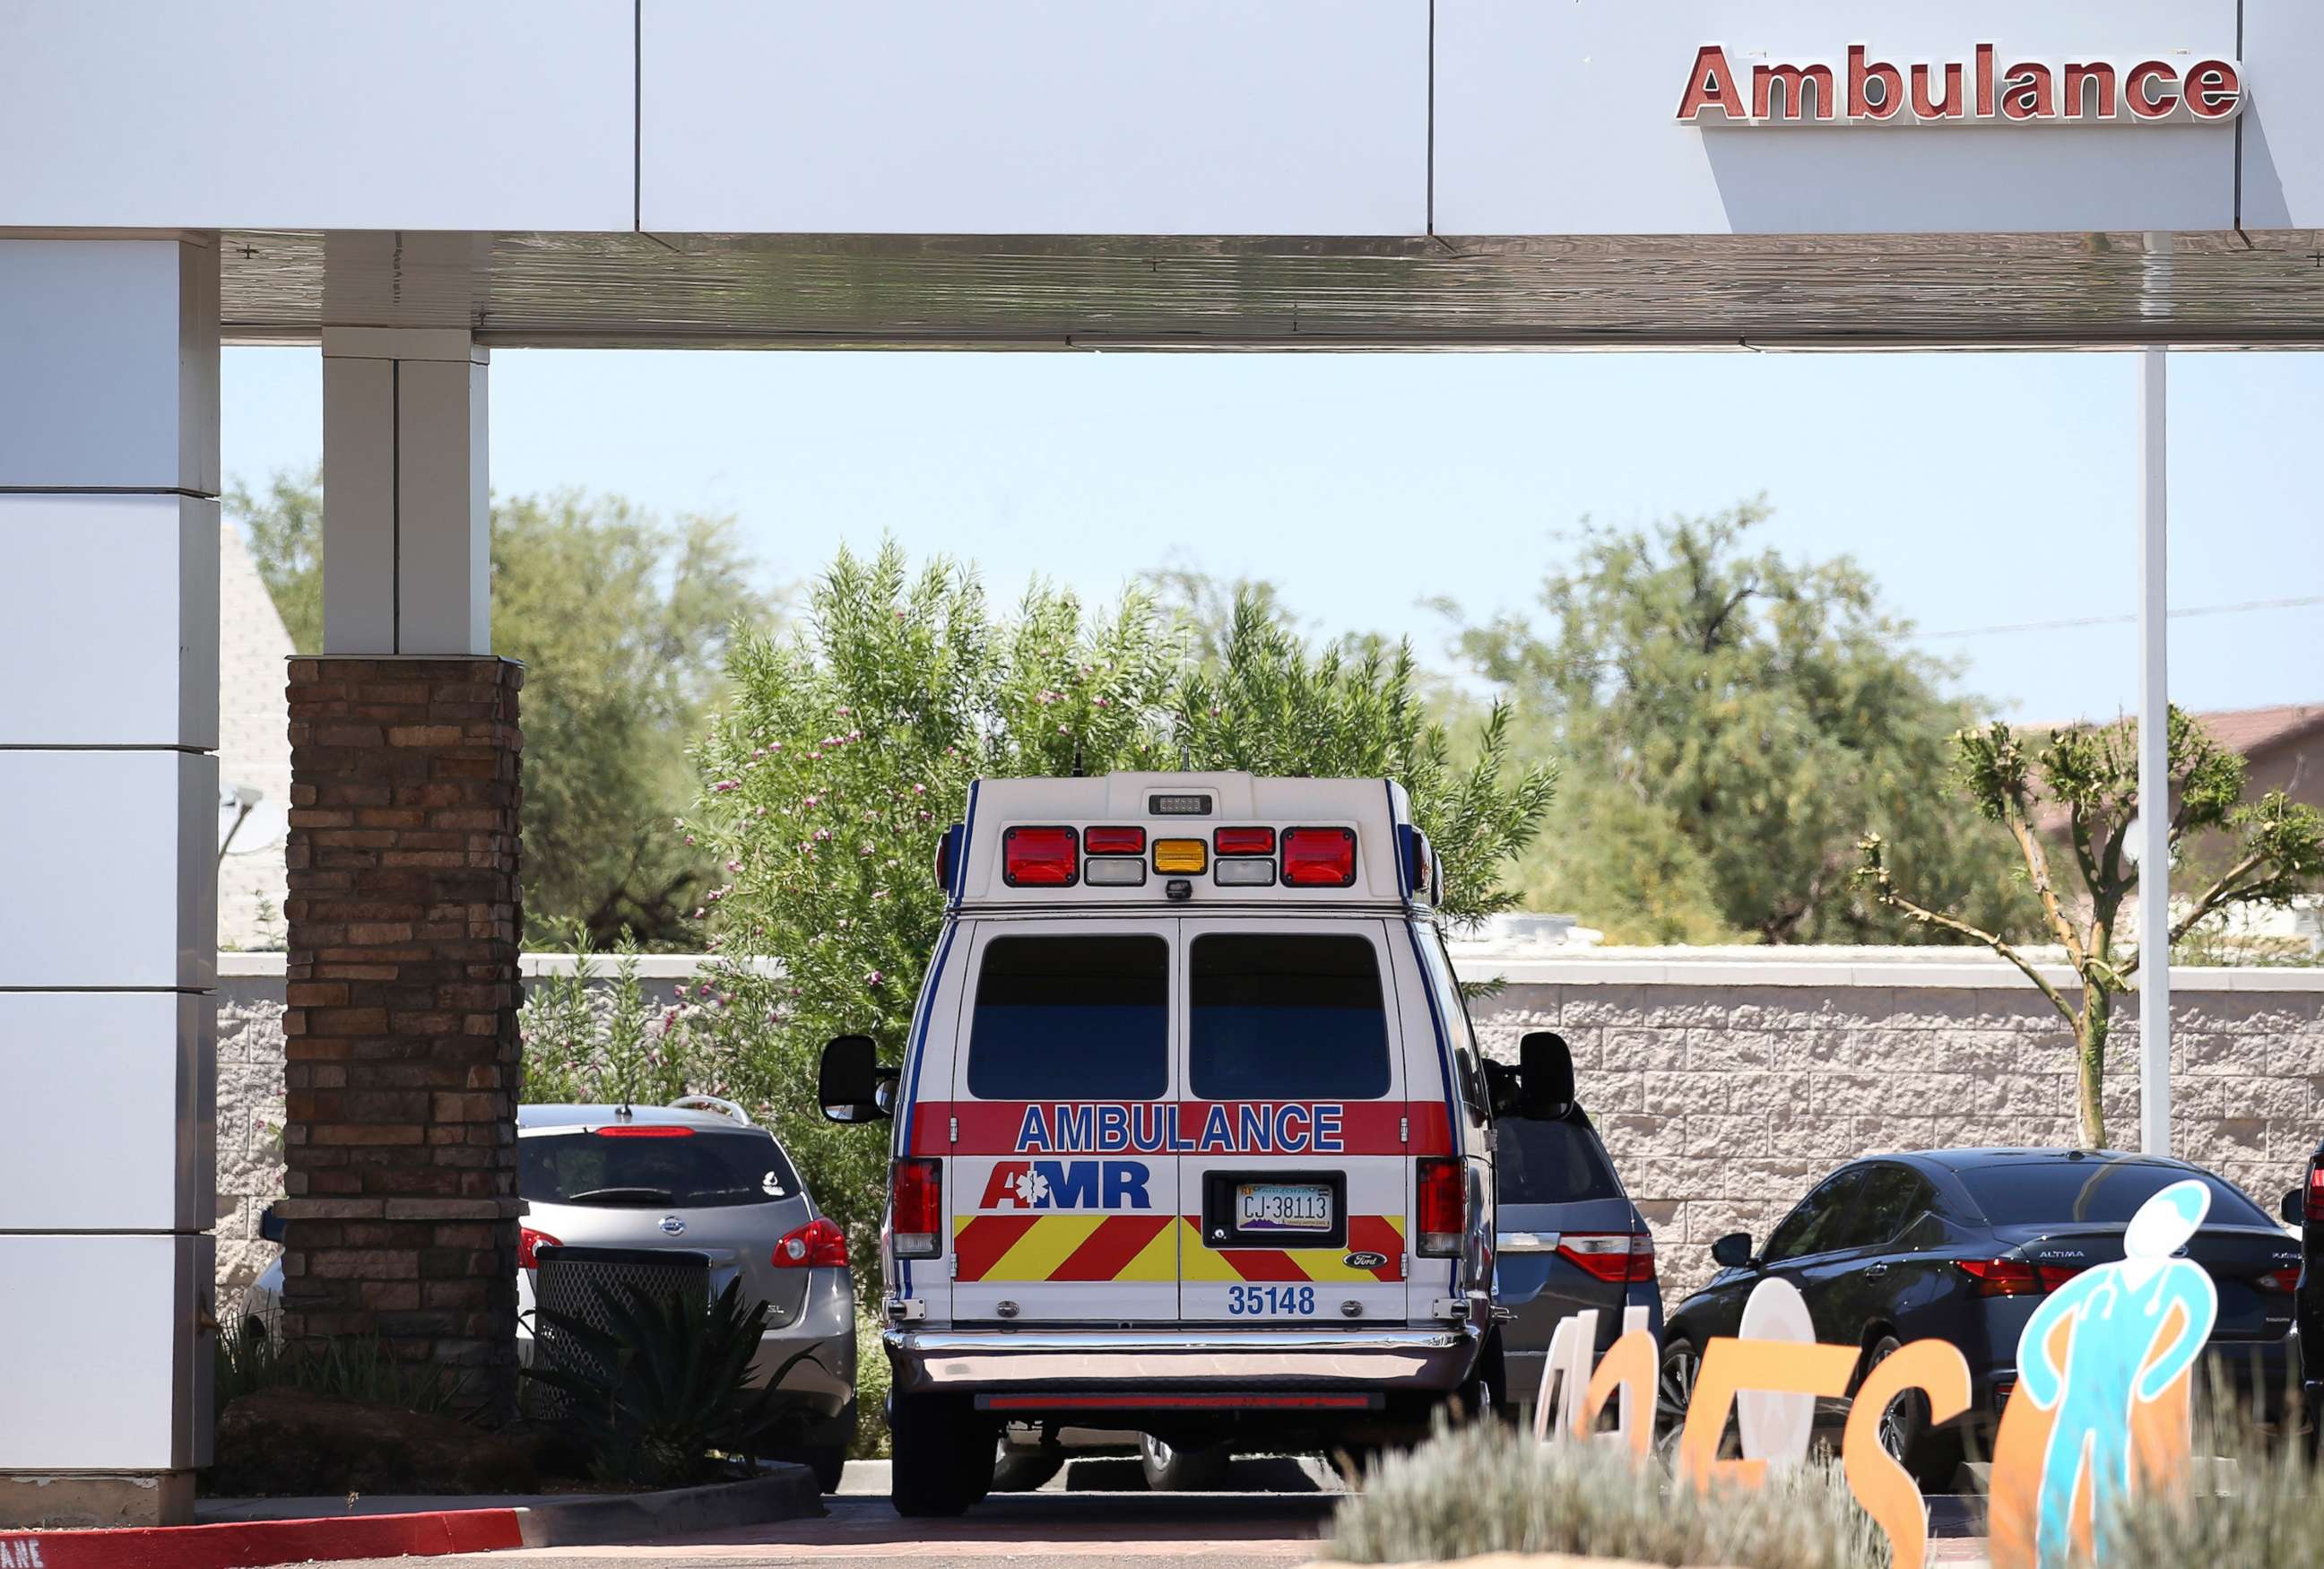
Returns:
point(1192, 1137)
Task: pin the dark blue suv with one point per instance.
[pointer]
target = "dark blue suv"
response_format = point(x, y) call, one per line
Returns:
point(1961, 1245)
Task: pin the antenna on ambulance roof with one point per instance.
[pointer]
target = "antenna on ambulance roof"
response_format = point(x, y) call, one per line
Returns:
point(1079, 772)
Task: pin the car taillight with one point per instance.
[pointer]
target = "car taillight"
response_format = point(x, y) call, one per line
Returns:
point(1114, 841)
point(2014, 1277)
point(1616, 1258)
point(947, 856)
point(1040, 857)
point(816, 1243)
point(1319, 857)
point(1244, 841)
point(1443, 1189)
point(2282, 1282)
point(2315, 1210)
point(916, 1209)
point(529, 1243)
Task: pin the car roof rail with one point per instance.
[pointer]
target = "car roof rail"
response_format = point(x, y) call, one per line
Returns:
point(726, 1109)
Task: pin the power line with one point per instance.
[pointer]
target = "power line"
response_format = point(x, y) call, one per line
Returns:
point(2125, 620)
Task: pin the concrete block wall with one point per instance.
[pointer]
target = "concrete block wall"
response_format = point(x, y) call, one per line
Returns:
point(1722, 1081)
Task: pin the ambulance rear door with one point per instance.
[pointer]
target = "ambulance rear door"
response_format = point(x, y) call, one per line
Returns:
point(1293, 1129)
point(1064, 1199)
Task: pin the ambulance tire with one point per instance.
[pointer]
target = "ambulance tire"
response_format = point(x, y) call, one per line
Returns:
point(1168, 1468)
point(1485, 1397)
point(943, 1455)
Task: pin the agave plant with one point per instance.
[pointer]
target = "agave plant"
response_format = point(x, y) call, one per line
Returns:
point(665, 1387)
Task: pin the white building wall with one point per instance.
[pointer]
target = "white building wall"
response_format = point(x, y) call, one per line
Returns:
point(1143, 118)
point(109, 725)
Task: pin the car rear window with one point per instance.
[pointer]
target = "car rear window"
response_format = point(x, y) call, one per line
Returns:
point(1285, 1017)
point(1551, 1160)
point(691, 1168)
point(1071, 1019)
point(2094, 1192)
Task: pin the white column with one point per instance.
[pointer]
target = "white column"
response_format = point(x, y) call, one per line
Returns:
point(108, 787)
point(407, 565)
point(2154, 756)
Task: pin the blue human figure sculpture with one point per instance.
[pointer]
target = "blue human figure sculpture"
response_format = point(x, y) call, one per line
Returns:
point(2115, 1357)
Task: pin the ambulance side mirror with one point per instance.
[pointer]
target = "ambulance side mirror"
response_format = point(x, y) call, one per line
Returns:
point(849, 1085)
point(1546, 1064)
point(2294, 1207)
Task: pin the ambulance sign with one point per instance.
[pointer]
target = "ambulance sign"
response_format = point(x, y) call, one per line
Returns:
point(1990, 88)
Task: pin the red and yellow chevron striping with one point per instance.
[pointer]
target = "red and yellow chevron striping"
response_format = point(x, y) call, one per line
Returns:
point(1151, 1248)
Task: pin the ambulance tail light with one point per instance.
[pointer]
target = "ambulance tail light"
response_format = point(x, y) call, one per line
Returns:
point(1114, 841)
point(1040, 857)
point(916, 1208)
point(1319, 857)
point(814, 1245)
point(1440, 1188)
point(2314, 1209)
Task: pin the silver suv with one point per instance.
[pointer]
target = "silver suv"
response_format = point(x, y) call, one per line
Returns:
point(696, 1175)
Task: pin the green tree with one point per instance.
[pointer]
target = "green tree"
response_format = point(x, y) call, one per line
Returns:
point(283, 527)
point(1726, 722)
point(2091, 771)
point(622, 621)
point(847, 747)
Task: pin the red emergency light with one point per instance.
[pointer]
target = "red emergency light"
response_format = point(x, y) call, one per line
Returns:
point(1114, 841)
point(1244, 841)
point(1319, 857)
point(1040, 857)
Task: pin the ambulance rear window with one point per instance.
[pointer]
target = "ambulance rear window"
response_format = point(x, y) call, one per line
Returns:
point(1278, 1016)
point(1072, 1019)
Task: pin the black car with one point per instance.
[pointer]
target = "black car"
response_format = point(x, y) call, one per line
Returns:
point(1961, 1245)
point(2303, 1206)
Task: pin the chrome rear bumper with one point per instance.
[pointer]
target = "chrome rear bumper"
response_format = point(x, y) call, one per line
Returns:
point(965, 1360)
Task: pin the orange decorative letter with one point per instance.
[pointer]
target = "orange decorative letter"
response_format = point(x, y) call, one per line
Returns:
point(1728, 1365)
point(1888, 1494)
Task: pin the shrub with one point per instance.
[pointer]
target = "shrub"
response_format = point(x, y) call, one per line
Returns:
point(251, 1358)
point(873, 1376)
point(1488, 1488)
point(2269, 1514)
point(666, 1389)
point(584, 1043)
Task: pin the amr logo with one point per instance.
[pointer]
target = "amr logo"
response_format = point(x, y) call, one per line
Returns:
point(1043, 1184)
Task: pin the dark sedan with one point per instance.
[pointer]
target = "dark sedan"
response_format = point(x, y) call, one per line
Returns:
point(1961, 1245)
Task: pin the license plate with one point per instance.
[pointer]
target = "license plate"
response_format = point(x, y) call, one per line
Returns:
point(1283, 1206)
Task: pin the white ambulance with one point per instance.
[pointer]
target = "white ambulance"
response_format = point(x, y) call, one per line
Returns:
point(1192, 1135)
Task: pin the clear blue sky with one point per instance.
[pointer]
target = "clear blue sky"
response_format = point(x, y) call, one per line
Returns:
point(1981, 490)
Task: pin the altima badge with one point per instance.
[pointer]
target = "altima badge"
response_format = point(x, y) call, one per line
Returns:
point(672, 1226)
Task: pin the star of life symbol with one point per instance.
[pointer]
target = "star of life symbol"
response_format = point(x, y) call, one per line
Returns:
point(1032, 1189)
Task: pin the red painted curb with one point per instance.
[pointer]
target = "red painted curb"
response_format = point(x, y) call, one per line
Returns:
point(246, 1544)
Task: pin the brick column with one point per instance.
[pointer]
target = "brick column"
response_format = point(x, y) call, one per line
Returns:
point(402, 1066)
